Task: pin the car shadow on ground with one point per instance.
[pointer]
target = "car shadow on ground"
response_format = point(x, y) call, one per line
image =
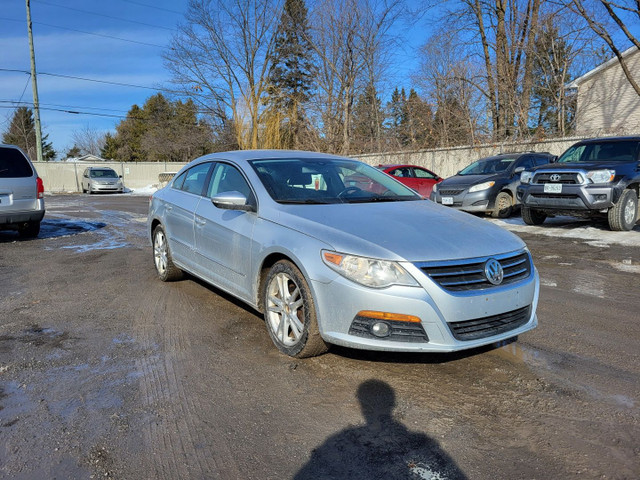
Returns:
point(382, 448)
point(367, 355)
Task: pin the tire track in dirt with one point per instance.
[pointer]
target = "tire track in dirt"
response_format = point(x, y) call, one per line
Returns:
point(176, 433)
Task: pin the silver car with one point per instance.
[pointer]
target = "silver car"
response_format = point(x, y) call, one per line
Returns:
point(101, 179)
point(21, 193)
point(333, 251)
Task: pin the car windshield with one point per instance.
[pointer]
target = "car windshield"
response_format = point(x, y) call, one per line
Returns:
point(487, 166)
point(104, 173)
point(328, 180)
point(621, 151)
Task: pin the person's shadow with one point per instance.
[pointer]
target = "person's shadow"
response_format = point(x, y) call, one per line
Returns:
point(383, 448)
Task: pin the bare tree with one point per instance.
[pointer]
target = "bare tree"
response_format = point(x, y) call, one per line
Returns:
point(348, 37)
point(600, 15)
point(220, 57)
point(88, 140)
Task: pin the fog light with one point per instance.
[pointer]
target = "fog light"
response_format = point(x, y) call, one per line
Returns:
point(380, 329)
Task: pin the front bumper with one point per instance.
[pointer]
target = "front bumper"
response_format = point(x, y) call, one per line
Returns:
point(339, 301)
point(107, 188)
point(574, 198)
point(481, 201)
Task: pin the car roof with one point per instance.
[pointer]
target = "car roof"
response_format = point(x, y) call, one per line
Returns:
point(609, 139)
point(244, 156)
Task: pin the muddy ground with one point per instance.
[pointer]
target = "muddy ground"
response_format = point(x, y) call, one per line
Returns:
point(106, 372)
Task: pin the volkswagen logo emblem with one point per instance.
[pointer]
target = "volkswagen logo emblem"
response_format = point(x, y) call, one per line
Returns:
point(555, 177)
point(493, 271)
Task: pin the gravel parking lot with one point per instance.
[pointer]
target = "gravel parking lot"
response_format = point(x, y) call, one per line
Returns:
point(106, 372)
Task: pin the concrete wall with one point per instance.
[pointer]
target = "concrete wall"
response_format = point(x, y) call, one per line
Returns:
point(66, 177)
point(448, 161)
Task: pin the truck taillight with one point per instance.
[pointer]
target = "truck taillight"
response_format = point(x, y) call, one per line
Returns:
point(40, 187)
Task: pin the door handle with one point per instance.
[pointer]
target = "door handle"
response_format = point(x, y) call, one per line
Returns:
point(200, 222)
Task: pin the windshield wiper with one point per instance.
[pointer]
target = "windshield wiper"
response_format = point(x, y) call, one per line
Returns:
point(304, 201)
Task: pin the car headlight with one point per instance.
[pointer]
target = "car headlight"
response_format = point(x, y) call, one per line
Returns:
point(370, 272)
point(525, 177)
point(601, 176)
point(481, 186)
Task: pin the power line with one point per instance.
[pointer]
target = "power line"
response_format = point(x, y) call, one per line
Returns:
point(73, 77)
point(104, 15)
point(86, 33)
point(152, 6)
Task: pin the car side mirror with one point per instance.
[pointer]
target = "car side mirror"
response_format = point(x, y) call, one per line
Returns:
point(553, 160)
point(232, 201)
point(518, 170)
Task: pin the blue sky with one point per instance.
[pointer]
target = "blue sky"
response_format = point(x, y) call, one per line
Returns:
point(75, 38)
point(67, 51)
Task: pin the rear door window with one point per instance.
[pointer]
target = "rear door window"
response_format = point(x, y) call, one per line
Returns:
point(13, 164)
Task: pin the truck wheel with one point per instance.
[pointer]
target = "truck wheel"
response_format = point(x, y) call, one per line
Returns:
point(533, 217)
point(503, 206)
point(624, 214)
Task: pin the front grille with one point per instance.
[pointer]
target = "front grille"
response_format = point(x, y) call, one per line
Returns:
point(450, 192)
point(490, 326)
point(570, 178)
point(554, 195)
point(400, 331)
point(469, 275)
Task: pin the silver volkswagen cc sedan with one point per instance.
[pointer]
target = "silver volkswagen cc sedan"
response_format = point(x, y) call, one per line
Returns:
point(334, 251)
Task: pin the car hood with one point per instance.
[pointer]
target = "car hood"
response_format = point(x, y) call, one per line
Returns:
point(461, 181)
point(413, 231)
point(587, 165)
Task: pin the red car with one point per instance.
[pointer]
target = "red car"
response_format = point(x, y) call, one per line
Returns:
point(413, 176)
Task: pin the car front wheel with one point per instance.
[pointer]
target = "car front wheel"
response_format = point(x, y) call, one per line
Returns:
point(167, 271)
point(289, 312)
point(503, 206)
point(533, 217)
point(624, 214)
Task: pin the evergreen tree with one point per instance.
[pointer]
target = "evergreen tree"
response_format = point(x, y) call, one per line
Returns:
point(397, 117)
point(110, 148)
point(551, 72)
point(417, 122)
point(368, 119)
point(160, 131)
point(290, 78)
point(22, 132)
point(74, 152)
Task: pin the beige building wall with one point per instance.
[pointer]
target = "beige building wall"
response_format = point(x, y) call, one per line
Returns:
point(607, 103)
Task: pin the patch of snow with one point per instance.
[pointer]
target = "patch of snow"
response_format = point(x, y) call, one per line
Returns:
point(548, 283)
point(426, 473)
point(597, 235)
point(148, 190)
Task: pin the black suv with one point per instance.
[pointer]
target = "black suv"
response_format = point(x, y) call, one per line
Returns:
point(489, 184)
point(593, 178)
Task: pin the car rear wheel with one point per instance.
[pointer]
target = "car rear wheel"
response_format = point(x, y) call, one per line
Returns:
point(533, 217)
point(30, 230)
point(503, 206)
point(624, 214)
point(289, 312)
point(167, 271)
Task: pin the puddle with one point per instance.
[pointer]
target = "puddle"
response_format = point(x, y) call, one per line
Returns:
point(50, 228)
point(561, 365)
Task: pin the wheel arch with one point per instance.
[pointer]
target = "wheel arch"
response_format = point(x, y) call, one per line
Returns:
point(269, 261)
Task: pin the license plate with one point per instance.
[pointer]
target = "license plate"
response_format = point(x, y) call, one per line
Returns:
point(447, 200)
point(552, 188)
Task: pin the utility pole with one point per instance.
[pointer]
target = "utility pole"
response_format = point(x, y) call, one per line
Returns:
point(34, 86)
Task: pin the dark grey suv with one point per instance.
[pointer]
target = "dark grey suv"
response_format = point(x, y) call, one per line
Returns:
point(489, 184)
point(21, 193)
point(598, 177)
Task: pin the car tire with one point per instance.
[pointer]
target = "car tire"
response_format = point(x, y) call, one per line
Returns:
point(624, 214)
point(30, 230)
point(503, 206)
point(166, 269)
point(289, 312)
point(532, 216)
